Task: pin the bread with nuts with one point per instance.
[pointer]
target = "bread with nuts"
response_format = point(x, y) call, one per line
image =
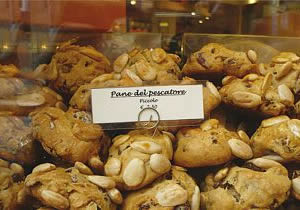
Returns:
point(12, 191)
point(69, 135)
point(14, 82)
point(135, 68)
point(174, 190)
point(211, 102)
point(16, 141)
point(215, 59)
point(73, 66)
point(209, 145)
point(257, 93)
point(212, 98)
point(278, 137)
point(11, 71)
point(33, 99)
point(82, 98)
point(72, 188)
point(261, 184)
point(146, 65)
point(210, 94)
point(8, 71)
point(285, 68)
point(295, 177)
point(138, 158)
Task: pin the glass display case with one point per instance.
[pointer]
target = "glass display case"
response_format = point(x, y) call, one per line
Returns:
point(141, 104)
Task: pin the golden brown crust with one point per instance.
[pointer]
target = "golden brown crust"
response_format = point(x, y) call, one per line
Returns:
point(285, 68)
point(73, 66)
point(212, 101)
point(135, 151)
point(63, 135)
point(149, 65)
point(257, 93)
point(206, 146)
point(11, 183)
point(278, 137)
point(212, 98)
point(243, 188)
point(7, 71)
point(146, 197)
point(66, 189)
point(135, 68)
point(215, 59)
point(82, 97)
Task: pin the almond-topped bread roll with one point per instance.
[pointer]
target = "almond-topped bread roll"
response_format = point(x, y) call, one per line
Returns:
point(278, 137)
point(70, 135)
point(19, 96)
point(174, 190)
point(30, 99)
point(136, 159)
point(209, 145)
point(136, 68)
point(215, 59)
point(73, 66)
point(12, 191)
point(258, 94)
point(285, 68)
point(74, 188)
point(261, 184)
point(82, 98)
point(9, 71)
point(145, 65)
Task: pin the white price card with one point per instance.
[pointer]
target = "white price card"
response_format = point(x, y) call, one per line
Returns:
point(132, 104)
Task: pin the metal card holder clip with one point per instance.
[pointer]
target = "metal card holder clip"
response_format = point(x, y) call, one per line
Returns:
point(150, 124)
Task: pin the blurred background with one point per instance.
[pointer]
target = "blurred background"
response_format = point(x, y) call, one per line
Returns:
point(30, 29)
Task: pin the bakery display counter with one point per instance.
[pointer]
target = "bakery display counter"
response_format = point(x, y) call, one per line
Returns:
point(241, 151)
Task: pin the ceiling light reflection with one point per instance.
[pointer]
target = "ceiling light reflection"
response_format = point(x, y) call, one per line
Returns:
point(133, 2)
point(43, 46)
